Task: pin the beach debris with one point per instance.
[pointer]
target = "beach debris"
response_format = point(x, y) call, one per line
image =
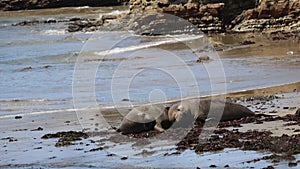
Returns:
point(26, 68)
point(37, 129)
point(46, 67)
point(66, 138)
point(250, 140)
point(10, 139)
point(95, 149)
point(124, 158)
point(18, 117)
point(247, 42)
point(292, 164)
point(53, 157)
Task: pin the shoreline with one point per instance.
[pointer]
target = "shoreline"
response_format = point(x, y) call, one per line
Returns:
point(22, 137)
point(259, 92)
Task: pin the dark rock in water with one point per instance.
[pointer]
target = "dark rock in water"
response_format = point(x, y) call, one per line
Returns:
point(36, 22)
point(27, 68)
point(84, 25)
point(297, 114)
point(26, 23)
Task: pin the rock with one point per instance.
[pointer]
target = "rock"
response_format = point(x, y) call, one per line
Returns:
point(85, 25)
point(35, 22)
point(26, 23)
point(247, 42)
point(297, 114)
point(18, 117)
point(89, 25)
point(37, 129)
point(208, 15)
point(269, 15)
point(124, 158)
point(203, 59)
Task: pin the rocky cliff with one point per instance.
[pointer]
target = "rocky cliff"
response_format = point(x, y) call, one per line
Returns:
point(269, 15)
point(38, 4)
point(209, 15)
point(222, 15)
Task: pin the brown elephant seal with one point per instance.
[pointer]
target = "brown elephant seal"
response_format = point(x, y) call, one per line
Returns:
point(145, 118)
point(191, 110)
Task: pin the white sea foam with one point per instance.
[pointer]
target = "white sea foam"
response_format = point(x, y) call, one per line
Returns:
point(54, 32)
point(173, 39)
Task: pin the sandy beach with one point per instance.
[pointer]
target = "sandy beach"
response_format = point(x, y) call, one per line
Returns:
point(23, 146)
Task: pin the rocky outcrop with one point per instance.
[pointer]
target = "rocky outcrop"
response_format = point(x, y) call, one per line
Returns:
point(269, 15)
point(90, 25)
point(223, 15)
point(208, 15)
point(38, 4)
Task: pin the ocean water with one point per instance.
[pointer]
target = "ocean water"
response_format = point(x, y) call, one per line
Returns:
point(45, 68)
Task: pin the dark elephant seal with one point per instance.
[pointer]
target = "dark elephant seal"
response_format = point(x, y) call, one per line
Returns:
point(191, 110)
point(145, 118)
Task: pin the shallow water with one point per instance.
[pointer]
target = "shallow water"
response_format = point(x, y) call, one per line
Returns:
point(45, 68)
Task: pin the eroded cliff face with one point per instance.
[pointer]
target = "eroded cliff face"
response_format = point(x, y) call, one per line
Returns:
point(39, 4)
point(222, 15)
point(208, 15)
point(270, 15)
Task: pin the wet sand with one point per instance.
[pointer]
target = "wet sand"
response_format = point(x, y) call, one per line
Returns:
point(22, 145)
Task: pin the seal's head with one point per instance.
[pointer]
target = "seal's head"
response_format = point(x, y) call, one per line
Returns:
point(176, 112)
point(184, 114)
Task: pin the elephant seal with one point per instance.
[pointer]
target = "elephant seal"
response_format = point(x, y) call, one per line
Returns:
point(145, 118)
point(191, 110)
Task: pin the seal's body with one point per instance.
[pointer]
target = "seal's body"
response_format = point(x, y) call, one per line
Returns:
point(207, 109)
point(144, 118)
